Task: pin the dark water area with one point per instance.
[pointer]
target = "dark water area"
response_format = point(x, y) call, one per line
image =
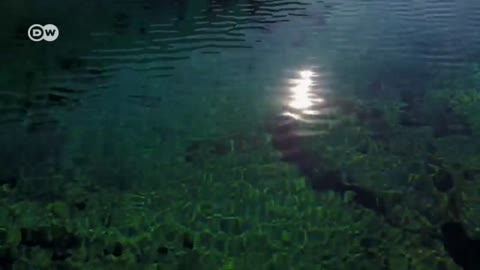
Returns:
point(167, 105)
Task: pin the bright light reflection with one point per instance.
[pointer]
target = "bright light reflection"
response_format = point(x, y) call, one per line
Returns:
point(306, 74)
point(293, 115)
point(301, 98)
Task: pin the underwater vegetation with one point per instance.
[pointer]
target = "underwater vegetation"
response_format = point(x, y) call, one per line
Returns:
point(300, 202)
point(393, 185)
point(449, 115)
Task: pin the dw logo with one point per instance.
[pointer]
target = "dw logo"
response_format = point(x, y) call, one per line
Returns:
point(48, 32)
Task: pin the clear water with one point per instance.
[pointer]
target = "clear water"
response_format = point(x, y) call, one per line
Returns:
point(246, 125)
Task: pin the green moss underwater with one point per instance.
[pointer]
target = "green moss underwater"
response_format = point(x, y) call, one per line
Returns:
point(231, 203)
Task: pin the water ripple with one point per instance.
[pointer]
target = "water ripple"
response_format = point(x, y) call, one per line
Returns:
point(155, 38)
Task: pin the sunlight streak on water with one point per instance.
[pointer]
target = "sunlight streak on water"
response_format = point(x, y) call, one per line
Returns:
point(302, 99)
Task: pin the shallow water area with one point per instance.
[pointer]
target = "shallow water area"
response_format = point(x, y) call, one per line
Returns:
point(240, 134)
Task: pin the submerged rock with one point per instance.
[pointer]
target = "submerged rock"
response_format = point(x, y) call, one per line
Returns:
point(443, 181)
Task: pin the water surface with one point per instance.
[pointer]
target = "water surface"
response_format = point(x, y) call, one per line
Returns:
point(138, 96)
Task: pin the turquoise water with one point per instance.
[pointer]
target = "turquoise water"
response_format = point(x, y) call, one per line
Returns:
point(240, 134)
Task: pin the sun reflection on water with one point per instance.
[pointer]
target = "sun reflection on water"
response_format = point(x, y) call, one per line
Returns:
point(301, 99)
